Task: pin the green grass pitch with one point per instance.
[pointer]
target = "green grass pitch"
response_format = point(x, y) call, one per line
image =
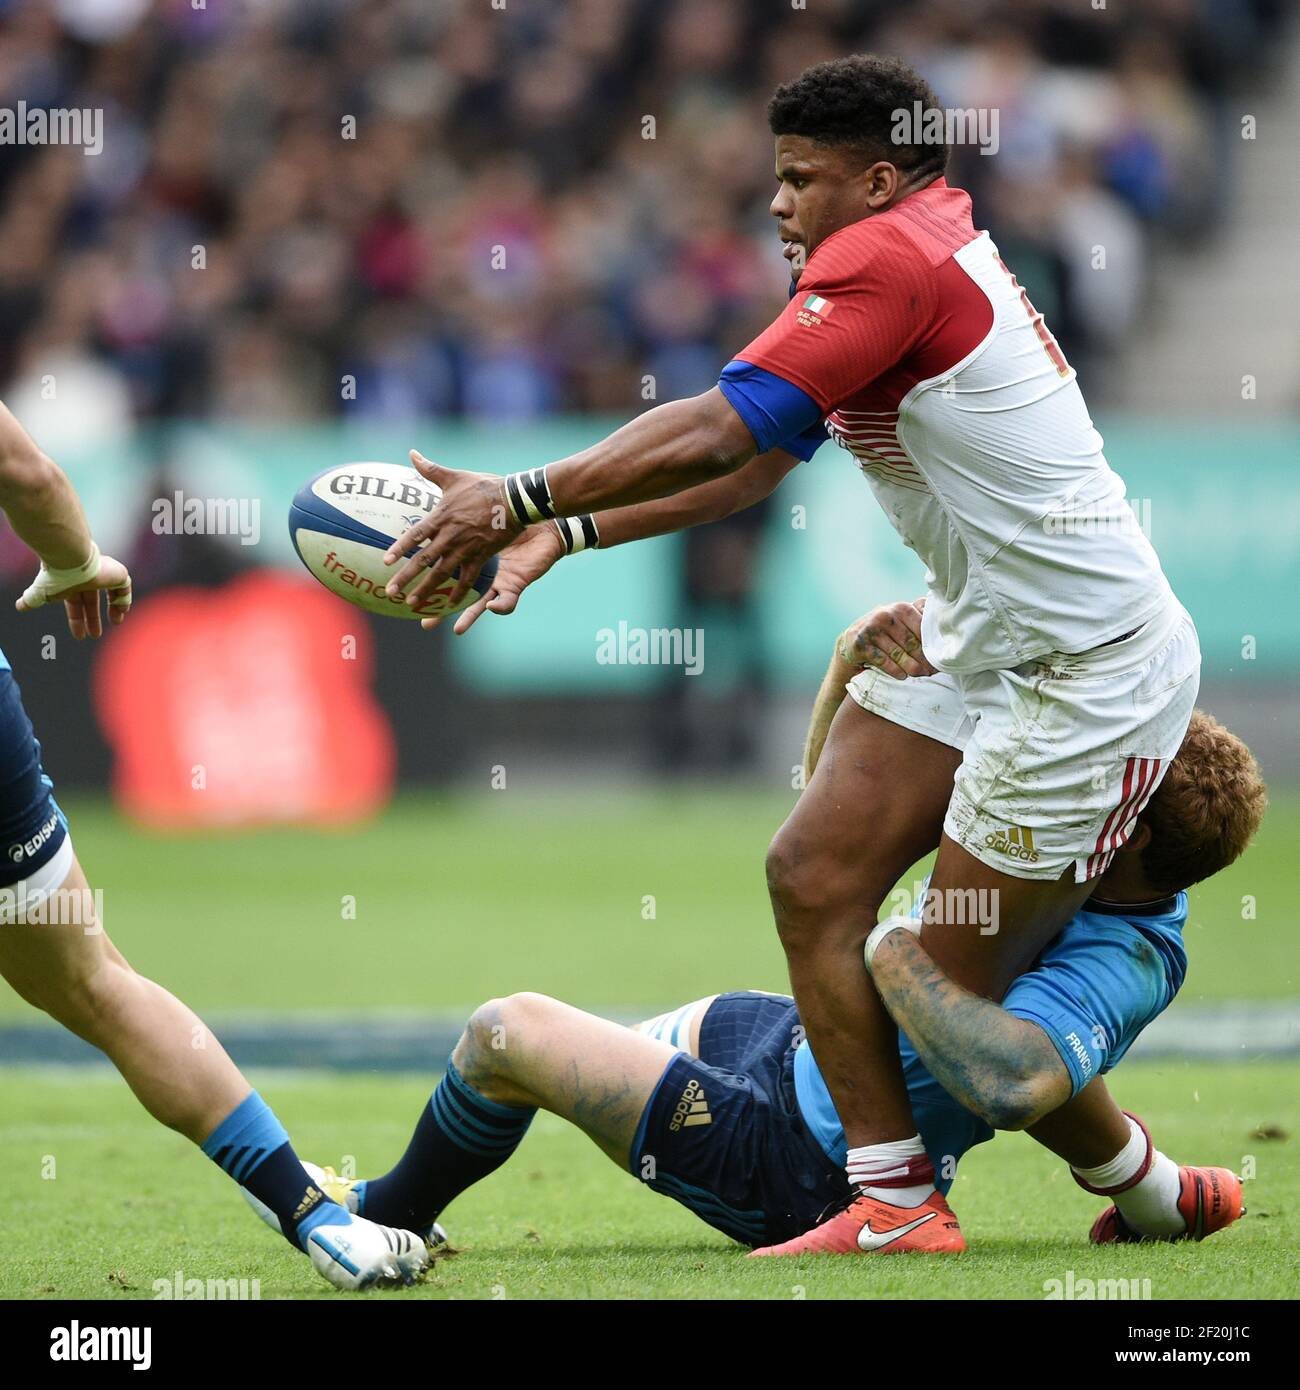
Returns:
point(131, 1203)
point(631, 903)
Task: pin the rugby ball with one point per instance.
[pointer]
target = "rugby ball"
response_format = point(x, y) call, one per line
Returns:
point(344, 519)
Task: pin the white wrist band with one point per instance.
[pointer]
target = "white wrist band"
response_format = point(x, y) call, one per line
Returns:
point(577, 532)
point(882, 930)
point(529, 495)
point(49, 582)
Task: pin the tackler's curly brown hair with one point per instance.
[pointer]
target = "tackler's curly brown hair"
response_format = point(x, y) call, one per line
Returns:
point(1207, 809)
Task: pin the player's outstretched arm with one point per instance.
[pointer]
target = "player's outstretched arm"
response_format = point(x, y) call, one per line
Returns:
point(711, 501)
point(825, 707)
point(1003, 1068)
point(530, 556)
point(45, 512)
point(667, 450)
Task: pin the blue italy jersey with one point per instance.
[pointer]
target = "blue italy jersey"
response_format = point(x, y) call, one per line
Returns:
point(1094, 989)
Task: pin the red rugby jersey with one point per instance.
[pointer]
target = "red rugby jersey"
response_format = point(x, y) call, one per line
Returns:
point(934, 370)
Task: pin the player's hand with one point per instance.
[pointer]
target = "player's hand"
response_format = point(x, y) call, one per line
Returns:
point(471, 523)
point(522, 562)
point(81, 602)
point(888, 638)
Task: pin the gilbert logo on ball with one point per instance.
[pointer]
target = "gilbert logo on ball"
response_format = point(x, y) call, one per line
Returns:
point(344, 519)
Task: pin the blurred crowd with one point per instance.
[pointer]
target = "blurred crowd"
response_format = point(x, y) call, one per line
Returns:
point(504, 208)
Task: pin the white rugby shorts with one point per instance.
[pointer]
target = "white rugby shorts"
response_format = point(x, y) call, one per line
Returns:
point(1059, 755)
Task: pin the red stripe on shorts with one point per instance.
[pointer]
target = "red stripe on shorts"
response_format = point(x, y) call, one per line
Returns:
point(1140, 778)
point(1148, 776)
point(1126, 791)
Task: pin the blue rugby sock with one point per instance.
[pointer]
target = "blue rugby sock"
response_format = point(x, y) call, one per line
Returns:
point(461, 1137)
point(252, 1146)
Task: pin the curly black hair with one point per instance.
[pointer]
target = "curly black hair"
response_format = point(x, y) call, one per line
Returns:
point(855, 102)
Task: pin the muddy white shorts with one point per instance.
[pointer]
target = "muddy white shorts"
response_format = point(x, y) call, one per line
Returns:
point(1060, 755)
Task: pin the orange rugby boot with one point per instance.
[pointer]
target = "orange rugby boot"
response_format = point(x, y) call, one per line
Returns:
point(868, 1226)
point(1208, 1200)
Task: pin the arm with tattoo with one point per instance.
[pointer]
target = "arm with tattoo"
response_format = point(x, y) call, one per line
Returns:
point(1001, 1067)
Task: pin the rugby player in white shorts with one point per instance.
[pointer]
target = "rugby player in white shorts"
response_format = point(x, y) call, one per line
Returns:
point(910, 342)
point(54, 950)
point(719, 1105)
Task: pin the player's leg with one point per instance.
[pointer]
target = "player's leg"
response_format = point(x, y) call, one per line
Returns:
point(532, 1050)
point(722, 1133)
point(1063, 755)
point(874, 806)
point(1088, 1130)
point(518, 1055)
point(65, 964)
point(56, 955)
point(1030, 914)
point(681, 1026)
point(1111, 1153)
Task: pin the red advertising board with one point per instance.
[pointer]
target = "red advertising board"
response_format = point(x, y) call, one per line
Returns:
point(248, 704)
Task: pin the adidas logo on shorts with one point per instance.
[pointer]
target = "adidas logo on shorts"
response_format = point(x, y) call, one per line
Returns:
point(1016, 842)
point(692, 1109)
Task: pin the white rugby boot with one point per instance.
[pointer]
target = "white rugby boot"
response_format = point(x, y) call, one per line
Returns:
point(363, 1254)
point(344, 1192)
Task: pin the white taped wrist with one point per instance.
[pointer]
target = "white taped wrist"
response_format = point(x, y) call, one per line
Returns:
point(577, 532)
point(49, 582)
point(882, 930)
point(529, 495)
